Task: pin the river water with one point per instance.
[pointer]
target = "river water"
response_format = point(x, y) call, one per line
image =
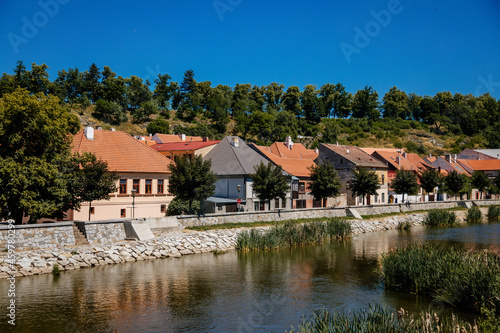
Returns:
point(249, 292)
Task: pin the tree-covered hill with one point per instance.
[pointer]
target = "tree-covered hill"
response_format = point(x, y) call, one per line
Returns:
point(445, 122)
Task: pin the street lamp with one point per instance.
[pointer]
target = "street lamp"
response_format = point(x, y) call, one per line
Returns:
point(133, 202)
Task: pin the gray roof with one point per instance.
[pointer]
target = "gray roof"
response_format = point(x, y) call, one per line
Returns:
point(229, 160)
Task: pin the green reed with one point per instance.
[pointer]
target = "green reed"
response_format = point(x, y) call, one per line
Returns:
point(474, 215)
point(467, 280)
point(438, 217)
point(293, 234)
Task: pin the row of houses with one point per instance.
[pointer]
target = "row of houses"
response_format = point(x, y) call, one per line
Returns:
point(142, 165)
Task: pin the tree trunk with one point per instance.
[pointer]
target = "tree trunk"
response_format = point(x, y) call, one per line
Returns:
point(90, 208)
point(18, 218)
point(189, 206)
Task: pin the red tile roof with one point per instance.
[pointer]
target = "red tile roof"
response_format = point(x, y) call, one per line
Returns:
point(177, 146)
point(298, 167)
point(122, 152)
point(298, 151)
point(170, 138)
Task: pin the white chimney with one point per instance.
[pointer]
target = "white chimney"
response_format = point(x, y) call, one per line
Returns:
point(404, 154)
point(448, 158)
point(289, 142)
point(89, 133)
point(235, 142)
point(113, 129)
point(347, 151)
point(316, 150)
point(99, 128)
point(455, 158)
point(183, 137)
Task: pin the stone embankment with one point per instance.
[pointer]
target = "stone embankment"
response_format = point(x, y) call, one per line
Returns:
point(173, 244)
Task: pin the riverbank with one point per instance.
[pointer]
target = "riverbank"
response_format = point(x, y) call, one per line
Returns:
point(171, 244)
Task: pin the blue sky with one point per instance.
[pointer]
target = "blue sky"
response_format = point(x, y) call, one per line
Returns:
point(418, 46)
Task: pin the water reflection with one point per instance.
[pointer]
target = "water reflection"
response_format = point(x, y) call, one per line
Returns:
point(258, 291)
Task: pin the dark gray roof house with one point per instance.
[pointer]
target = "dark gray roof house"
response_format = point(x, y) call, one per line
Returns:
point(232, 162)
point(232, 156)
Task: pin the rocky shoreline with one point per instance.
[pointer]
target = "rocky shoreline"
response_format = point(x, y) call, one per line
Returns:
point(172, 244)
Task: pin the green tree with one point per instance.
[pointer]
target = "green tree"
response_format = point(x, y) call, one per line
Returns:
point(496, 182)
point(365, 104)
point(429, 179)
point(285, 124)
point(191, 179)
point(137, 91)
point(455, 183)
point(291, 101)
point(34, 147)
point(90, 180)
point(268, 182)
point(396, 104)
point(158, 126)
point(145, 111)
point(325, 182)
point(480, 181)
point(312, 105)
point(364, 182)
point(110, 111)
point(38, 79)
point(92, 84)
point(342, 101)
point(330, 131)
point(178, 207)
point(273, 94)
point(163, 92)
point(405, 182)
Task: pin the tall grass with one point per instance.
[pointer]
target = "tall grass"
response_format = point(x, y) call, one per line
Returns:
point(406, 225)
point(381, 319)
point(493, 212)
point(466, 280)
point(293, 234)
point(474, 215)
point(438, 217)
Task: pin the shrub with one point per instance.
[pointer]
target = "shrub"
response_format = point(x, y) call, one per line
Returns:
point(178, 206)
point(111, 111)
point(158, 126)
point(493, 212)
point(474, 215)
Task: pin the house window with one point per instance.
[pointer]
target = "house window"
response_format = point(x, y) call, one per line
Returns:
point(283, 203)
point(376, 198)
point(383, 197)
point(160, 186)
point(295, 186)
point(256, 206)
point(149, 184)
point(122, 213)
point(123, 186)
point(277, 203)
point(163, 208)
point(92, 210)
point(219, 207)
point(135, 186)
point(383, 179)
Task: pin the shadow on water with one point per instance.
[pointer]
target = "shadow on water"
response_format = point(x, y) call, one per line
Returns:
point(254, 291)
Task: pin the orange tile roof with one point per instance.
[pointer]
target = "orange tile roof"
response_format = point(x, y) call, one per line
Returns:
point(418, 161)
point(295, 166)
point(170, 138)
point(370, 151)
point(298, 151)
point(482, 165)
point(122, 152)
point(395, 159)
point(177, 146)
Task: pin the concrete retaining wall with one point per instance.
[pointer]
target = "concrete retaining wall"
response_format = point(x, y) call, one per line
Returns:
point(105, 232)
